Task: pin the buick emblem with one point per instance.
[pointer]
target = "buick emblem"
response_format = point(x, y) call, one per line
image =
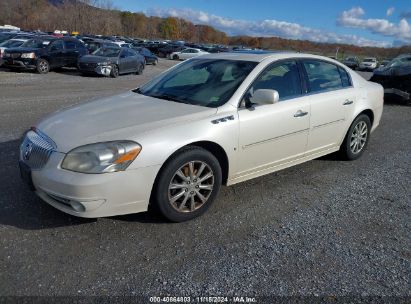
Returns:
point(27, 151)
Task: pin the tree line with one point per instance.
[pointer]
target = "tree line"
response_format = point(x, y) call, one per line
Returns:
point(101, 17)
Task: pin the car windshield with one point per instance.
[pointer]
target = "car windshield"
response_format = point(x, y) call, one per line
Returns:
point(350, 59)
point(107, 52)
point(394, 62)
point(11, 43)
point(36, 43)
point(203, 82)
point(369, 60)
point(4, 37)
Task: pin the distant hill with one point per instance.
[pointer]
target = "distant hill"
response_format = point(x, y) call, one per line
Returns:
point(104, 19)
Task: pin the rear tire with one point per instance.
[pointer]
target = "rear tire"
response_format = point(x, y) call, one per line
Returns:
point(356, 139)
point(43, 66)
point(187, 184)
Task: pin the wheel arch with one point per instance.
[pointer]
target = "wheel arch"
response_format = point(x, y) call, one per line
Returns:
point(215, 149)
point(367, 112)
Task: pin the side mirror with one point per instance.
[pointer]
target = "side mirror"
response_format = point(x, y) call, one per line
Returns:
point(265, 97)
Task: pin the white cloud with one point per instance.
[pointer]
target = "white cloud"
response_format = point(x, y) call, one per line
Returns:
point(390, 11)
point(354, 18)
point(266, 28)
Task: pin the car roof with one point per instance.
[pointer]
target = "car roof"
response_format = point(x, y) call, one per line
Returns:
point(258, 56)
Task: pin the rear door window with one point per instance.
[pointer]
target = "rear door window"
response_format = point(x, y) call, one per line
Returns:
point(322, 76)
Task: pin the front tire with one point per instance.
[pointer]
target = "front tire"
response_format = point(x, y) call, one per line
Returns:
point(43, 66)
point(175, 57)
point(114, 71)
point(356, 139)
point(187, 184)
point(140, 69)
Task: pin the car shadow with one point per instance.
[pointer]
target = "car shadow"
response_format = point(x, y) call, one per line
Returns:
point(395, 101)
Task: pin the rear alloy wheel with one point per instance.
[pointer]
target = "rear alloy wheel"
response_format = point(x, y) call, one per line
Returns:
point(43, 66)
point(140, 69)
point(188, 184)
point(357, 138)
point(114, 71)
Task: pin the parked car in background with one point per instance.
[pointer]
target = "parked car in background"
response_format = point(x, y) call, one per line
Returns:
point(123, 44)
point(44, 54)
point(149, 57)
point(18, 35)
point(384, 63)
point(369, 64)
point(112, 61)
point(95, 44)
point(187, 54)
point(165, 51)
point(206, 122)
point(352, 62)
point(9, 44)
point(395, 77)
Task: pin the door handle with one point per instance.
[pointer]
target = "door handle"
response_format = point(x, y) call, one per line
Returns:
point(348, 102)
point(300, 113)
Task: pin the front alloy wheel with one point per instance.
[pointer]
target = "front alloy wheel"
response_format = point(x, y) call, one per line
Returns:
point(187, 184)
point(43, 66)
point(191, 186)
point(114, 71)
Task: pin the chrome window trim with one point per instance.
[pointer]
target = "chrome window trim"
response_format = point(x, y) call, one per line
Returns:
point(299, 61)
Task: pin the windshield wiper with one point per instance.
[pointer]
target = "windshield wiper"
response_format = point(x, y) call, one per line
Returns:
point(167, 97)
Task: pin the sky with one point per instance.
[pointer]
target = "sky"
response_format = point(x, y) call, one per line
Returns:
point(383, 23)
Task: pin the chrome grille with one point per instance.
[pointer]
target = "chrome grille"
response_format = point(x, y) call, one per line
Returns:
point(15, 55)
point(36, 149)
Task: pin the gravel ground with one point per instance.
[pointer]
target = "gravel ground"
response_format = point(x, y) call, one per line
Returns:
point(326, 227)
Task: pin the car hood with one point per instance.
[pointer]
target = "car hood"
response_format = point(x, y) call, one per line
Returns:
point(120, 117)
point(96, 59)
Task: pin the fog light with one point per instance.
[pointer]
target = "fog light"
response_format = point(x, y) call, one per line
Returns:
point(77, 206)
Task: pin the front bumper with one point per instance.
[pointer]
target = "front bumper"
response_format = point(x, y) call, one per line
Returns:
point(104, 70)
point(20, 63)
point(367, 67)
point(94, 195)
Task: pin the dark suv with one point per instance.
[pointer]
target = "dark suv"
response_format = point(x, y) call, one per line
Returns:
point(45, 53)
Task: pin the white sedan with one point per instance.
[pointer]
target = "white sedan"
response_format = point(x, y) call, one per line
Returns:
point(187, 54)
point(369, 64)
point(212, 120)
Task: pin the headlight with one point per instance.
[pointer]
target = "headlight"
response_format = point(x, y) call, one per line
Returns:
point(102, 157)
point(28, 55)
